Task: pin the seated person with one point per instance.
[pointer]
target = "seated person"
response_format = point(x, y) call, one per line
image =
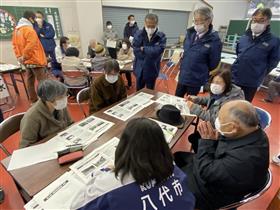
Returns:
point(207, 107)
point(126, 53)
point(91, 48)
point(108, 88)
point(143, 176)
point(47, 116)
point(273, 90)
point(97, 63)
point(59, 55)
point(71, 62)
point(230, 165)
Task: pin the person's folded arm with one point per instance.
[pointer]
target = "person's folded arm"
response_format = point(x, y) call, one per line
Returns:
point(157, 49)
point(137, 44)
point(48, 33)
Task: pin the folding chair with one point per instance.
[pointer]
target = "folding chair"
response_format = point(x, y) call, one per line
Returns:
point(264, 117)
point(170, 67)
point(82, 96)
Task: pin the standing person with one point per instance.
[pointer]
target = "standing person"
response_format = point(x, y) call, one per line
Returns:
point(130, 28)
point(202, 53)
point(126, 53)
point(59, 55)
point(46, 33)
point(148, 45)
point(273, 90)
point(110, 34)
point(91, 48)
point(257, 54)
point(29, 52)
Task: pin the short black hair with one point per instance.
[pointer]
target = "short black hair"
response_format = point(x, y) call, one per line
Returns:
point(111, 65)
point(152, 16)
point(225, 74)
point(264, 11)
point(108, 23)
point(72, 51)
point(130, 16)
point(63, 40)
point(143, 153)
point(41, 13)
point(29, 14)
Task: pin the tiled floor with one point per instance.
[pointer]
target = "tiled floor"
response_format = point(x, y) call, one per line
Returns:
point(14, 201)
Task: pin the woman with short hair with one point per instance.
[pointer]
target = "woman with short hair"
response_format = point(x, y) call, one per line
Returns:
point(144, 175)
point(47, 116)
point(108, 88)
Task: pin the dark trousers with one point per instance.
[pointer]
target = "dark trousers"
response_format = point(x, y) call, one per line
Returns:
point(113, 52)
point(181, 90)
point(249, 92)
point(141, 83)
point(1, 116)
point(128, 78)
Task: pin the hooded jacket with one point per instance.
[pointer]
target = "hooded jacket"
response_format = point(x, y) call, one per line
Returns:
point(130, 30)
point(26, 44)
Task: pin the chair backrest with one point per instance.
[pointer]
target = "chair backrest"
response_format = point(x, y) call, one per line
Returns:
point(251, 196)
point(74, 73)
point(82, 96)
point(264, 117)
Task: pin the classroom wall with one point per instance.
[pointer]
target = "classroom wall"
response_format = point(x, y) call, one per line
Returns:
point(68, 15)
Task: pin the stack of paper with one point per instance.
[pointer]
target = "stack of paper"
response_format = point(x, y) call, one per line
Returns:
point(178, 102)
point(169, 131)
point(126, 109)
point(6, 67)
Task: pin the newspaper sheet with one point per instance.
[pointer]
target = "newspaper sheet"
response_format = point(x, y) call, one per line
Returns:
point(126, 109)
point(101, 157)
point(180, 103)
point(169, 131)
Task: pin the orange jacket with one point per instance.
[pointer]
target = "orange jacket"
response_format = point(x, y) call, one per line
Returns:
point(27, 44)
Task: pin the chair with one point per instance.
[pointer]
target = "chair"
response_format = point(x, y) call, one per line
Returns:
point(8, 127)
point(170, 67)
point(82, 96)
point(264, 117)
point(251, 196)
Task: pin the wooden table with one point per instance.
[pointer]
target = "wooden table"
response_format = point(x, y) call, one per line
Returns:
point(34, 178)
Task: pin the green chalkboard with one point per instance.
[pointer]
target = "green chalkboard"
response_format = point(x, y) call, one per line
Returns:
point(9, 16)
point(239, 27)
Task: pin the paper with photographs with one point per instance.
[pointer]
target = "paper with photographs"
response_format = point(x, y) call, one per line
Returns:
point(169, 131)
point(60, 194)
point(178, 102)
point(126, 109)
point(99, 158)
point(86, 131)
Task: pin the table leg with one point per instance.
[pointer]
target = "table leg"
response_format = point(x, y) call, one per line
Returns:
point(14, 83)
point(24, 85)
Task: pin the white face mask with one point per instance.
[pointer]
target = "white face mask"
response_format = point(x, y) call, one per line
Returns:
point(199, 28)
point(61, 103)
point(258, 28)
point(109, 26)
point(111, 78)
point(39, 20)
point(132, 22)
point(124, 46)
point(216, 89)
point(218, 127)
point(150, 31)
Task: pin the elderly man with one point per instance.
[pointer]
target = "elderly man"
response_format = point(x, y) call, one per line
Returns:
point(257, 54)
point(202, 53)
point(148, 45)
point(91, 49)
point(230, 165)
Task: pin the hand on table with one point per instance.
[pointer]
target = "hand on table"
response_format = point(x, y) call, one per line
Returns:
point(191, 98)
point(206, 131)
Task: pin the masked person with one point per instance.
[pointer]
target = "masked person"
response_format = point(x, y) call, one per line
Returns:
point(108, 88)
point(29, 52)
point(47, 116)
point(126, 53)
point(148, 46)
point(130, 28)
point(258, 52)
point(202, 53)
point(232, 160)
point(91, 48)
point(110, 34)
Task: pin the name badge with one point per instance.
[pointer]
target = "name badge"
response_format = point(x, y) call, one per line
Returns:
point(207, 45)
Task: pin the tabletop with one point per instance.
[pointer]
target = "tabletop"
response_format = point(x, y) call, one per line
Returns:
point(34, 178)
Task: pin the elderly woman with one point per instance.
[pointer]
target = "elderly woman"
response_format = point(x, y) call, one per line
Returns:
point(47, 116)
point(108, 88)
point(202, 53)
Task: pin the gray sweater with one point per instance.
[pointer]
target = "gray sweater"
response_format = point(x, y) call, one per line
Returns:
point(208, 112)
